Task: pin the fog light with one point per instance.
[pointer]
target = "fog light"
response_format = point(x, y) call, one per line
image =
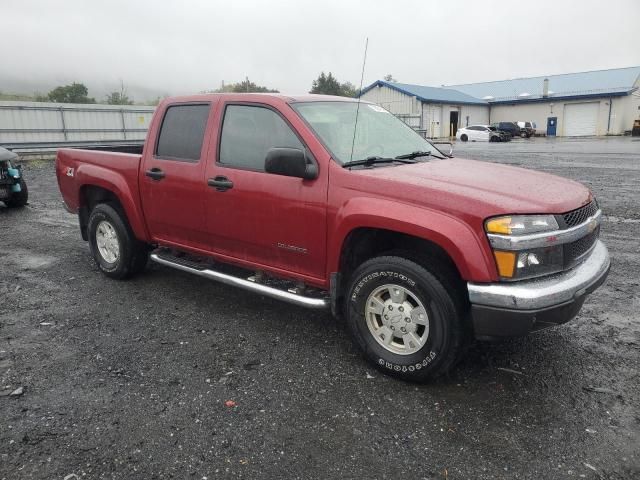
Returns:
point(527, 260)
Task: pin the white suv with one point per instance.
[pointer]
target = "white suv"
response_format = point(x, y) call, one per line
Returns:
point(527, 129)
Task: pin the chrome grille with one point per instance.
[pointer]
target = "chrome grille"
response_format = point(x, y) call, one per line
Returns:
point(574, 251)
point(578, 216)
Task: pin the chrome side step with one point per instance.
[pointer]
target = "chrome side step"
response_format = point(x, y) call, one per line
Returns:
point(309, 302)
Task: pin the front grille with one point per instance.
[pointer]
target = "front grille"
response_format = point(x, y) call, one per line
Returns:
point(575, 251)
point(578, 216)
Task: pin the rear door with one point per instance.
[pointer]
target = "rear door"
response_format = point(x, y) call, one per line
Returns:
point(253, 216)
point(172, 178)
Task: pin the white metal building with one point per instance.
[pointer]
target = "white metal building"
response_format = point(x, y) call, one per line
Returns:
point(602, 102)
point(437, 111)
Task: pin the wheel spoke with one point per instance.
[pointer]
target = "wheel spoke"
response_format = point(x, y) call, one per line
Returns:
point(386, 335)
point(398, 294)
point(411, 340)
point(376, 306)
point(419, 316)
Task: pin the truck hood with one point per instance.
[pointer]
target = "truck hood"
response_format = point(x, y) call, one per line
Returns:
point(476, 187)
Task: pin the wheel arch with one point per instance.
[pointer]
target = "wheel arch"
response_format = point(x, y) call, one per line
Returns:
point(364, 243)
point(419, 228)
point(91, 194)
point(111, 185)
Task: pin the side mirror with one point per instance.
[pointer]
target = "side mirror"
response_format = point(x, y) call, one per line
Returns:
point(450, 154)
point(290, 162)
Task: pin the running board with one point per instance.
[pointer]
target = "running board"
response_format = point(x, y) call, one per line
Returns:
point(309, 302)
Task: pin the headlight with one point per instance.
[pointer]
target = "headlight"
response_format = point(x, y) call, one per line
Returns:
point(521, 224)
point(529, 262)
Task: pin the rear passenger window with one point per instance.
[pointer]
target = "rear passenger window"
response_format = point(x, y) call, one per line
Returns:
point(249, 132)
point(182, 132)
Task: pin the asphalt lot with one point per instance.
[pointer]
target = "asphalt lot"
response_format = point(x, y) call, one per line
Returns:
point(129, 380)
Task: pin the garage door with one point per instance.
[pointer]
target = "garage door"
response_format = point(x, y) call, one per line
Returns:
point(580, 119)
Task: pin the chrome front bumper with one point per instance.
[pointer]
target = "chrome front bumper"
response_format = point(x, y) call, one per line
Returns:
point(508, 309)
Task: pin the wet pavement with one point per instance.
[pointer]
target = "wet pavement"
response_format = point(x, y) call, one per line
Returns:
point(170, 376)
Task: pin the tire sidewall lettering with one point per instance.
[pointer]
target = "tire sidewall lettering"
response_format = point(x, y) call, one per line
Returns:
point(389, 275)
point(408, 368)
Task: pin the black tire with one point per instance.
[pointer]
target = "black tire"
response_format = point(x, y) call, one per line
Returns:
point(464, 137)
point(132, 254)
point(446, 337)
point(19, 199)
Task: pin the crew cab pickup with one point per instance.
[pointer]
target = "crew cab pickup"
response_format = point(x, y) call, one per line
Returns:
point(327, 202)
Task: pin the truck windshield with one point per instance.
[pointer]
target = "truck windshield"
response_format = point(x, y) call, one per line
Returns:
point(378, 133)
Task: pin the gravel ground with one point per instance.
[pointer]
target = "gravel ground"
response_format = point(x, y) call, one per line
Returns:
point(170, 376)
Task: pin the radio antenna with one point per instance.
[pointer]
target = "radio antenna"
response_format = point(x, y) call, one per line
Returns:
point(355, 126)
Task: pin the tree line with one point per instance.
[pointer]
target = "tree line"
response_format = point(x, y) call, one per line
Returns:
point(325, 84)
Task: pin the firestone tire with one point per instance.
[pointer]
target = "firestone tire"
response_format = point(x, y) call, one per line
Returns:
point(116, 251)
point(19, 199)
point(430, 355)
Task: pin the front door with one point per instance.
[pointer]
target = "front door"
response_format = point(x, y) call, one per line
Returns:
point(552, 125)
point(172, 178)
point(453, 123)
point(253, 216)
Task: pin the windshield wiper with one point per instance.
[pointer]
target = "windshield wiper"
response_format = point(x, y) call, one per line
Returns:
point(413, 155)
point(374, 160)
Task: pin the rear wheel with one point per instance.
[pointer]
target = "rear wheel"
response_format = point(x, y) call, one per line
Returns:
point(113, 245)
point(19, 199)
point(464, 137)
point(405, 320)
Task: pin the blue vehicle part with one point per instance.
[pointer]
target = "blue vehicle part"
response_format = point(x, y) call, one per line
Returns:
point(15, 173)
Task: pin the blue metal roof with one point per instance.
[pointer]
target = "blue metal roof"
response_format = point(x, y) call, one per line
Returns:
point(617, 81)
point(428, 94)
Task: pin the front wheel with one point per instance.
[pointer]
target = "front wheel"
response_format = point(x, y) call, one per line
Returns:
point(19, 199)
point(116, 251)
point(404, 319)
point(464, 137)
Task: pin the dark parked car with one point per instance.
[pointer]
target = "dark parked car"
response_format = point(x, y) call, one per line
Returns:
point(504, 136)
point(512, 128)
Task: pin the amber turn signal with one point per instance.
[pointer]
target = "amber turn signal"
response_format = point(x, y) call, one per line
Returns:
point(499, 225)
point(505, 262)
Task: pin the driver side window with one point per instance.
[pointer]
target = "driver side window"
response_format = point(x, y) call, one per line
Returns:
point(249, 132)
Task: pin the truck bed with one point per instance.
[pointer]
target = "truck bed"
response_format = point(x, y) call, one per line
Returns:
point(76, 168)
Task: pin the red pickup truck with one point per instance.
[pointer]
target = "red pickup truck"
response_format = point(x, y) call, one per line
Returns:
point(326, 202)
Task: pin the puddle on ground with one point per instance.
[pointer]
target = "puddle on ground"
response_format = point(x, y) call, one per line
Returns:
point(24, 260)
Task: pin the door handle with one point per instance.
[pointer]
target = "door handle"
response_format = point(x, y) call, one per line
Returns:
point(155, 173)
point(221, 184)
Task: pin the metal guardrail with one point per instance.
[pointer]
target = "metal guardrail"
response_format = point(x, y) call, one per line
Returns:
point(29, 127)
point(42, 148)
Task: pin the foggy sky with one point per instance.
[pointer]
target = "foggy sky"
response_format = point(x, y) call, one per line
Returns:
point(175, 47)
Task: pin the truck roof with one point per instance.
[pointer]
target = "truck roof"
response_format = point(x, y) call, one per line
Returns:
point(262, 96)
